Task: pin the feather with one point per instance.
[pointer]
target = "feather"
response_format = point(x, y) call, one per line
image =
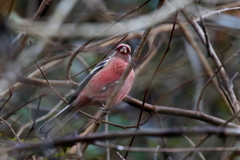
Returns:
point(96, 69)
point(50, 127)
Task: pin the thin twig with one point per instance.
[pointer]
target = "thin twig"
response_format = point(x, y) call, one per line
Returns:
point(103, 57)
point(41, 8)
point(165, 154)
point(192, 143)
point(117, 125)
point(14, 133)
point(23, 126)
point(156, 154)
point(227, 87)
point(33, 74)
point(74, 54)
point(32, 128)
point(217, 12)
point(51, 84)
point(204, 29)
point(201, 141)
point(44, 83)
point(38, 13)
point(14, 110)
point(107, 141)
point(10, 95)
point(135, 9)
point(209, 80)
point(147, 89)
point(206, 137)
point(120, 156)
point(80, 48)
point(189, 36)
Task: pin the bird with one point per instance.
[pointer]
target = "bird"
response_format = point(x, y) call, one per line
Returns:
point(95, 89)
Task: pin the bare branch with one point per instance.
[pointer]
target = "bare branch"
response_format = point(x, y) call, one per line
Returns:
point(168, 132)
point(178, 112)
point(51, 85)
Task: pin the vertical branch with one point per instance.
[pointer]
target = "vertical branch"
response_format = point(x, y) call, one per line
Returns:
point(147, 90)
point(107, 142)
point(223, 77)
point(41, 8)
point(188, 35)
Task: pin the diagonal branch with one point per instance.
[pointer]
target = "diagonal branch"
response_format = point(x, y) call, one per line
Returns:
point(227, 86)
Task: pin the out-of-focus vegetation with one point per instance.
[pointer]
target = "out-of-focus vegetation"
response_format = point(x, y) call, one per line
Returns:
point(196, 85)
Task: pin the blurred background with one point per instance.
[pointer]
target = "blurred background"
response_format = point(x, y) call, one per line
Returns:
point(45, 34)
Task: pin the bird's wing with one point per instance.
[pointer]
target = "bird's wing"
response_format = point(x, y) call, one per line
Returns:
point(55, 123)
point(95, 70)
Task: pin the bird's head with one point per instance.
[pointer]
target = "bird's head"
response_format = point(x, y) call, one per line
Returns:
point(124, 49)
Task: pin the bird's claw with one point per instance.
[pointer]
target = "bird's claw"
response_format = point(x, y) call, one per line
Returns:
point(104, 110)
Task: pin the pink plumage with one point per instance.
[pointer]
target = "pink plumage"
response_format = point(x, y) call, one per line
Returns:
point(96, 88)
point(95, 91)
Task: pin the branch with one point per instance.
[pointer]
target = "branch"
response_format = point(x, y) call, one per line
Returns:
point(167, 132)
point(227, 86)
point(51, 85)
point(172, 150)
point(189, 37)
point(178, 112)
point(44, 83)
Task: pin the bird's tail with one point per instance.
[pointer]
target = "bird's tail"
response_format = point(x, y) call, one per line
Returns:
point(50, 127)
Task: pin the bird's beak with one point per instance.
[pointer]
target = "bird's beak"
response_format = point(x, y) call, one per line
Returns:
point(123, 50)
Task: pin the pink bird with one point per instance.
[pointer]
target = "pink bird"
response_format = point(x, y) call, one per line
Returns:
point(95, 89)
